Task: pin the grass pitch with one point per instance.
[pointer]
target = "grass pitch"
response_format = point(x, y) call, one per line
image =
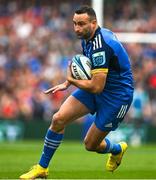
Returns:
point(72, 161)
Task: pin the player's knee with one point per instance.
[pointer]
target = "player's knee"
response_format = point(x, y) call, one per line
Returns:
point(57, 122)
point(89, 146)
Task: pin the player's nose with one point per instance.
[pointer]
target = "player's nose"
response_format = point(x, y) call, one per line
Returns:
point(77, 29)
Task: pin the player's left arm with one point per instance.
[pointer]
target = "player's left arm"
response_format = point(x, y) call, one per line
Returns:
point(94, 85)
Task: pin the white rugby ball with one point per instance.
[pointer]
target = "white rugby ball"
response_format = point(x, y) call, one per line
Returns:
point(81, 67)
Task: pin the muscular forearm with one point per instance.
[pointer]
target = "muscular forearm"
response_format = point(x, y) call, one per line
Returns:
point(82, 84)
point(87, 85)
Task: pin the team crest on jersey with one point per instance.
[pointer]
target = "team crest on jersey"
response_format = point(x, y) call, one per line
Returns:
point(99, 58)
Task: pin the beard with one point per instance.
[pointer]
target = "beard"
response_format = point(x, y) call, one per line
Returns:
point(84, 35)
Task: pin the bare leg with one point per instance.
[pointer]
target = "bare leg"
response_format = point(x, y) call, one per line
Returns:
point(70, 110)
point(94, 139)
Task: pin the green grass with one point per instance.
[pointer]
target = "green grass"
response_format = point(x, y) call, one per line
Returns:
point(72, 162)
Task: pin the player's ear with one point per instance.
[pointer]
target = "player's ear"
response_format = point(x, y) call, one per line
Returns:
point(94, 23)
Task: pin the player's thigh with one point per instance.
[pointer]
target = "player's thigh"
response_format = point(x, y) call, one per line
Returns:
point(72, 109)
point(110, 115)
point(94, 136)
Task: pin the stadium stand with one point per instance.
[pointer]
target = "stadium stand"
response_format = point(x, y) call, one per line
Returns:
point(37, 41)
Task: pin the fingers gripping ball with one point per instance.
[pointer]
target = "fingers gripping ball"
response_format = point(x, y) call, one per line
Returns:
point(81, 67)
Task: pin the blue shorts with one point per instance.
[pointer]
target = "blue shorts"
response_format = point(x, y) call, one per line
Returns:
point(110, 109)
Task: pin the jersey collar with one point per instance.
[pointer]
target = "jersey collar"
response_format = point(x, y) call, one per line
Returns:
point(96, 32)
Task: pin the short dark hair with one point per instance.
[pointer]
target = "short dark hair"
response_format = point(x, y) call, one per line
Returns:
point(86, 9)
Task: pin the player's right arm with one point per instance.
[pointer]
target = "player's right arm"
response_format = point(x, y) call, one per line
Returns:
point(94, 85)
point(60, 87)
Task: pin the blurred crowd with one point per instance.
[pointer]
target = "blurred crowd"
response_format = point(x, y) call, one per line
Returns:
point(130, 15)
point(37, 41)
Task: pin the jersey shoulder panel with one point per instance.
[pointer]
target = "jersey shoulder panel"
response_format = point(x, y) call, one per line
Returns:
point(111, 40)
point(101, 52)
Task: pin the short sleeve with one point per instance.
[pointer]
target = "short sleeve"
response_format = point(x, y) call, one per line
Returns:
point(99, 62)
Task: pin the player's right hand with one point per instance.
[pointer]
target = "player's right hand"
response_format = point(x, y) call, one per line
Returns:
point(60, 87)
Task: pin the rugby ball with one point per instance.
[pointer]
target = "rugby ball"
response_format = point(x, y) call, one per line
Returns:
point(81, 67)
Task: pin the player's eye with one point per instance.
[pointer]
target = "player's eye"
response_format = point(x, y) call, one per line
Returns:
point(81, 24)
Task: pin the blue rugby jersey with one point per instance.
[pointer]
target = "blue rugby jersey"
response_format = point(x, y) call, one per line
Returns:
point(109, 56)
